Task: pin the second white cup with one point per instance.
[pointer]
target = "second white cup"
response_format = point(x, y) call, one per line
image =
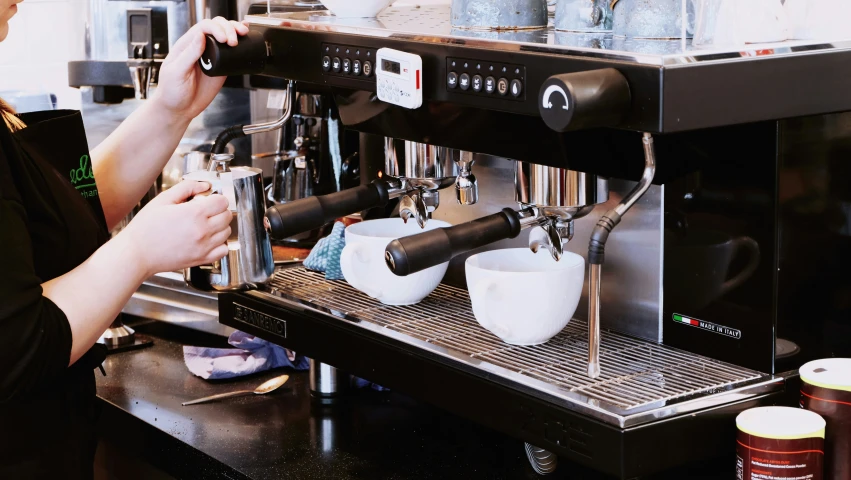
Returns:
point(522, 297)
point(363, 265)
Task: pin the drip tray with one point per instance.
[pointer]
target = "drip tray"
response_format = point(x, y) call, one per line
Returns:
point(641, 381)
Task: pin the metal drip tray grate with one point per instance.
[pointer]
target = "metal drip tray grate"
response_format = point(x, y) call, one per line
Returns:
point(635, 373)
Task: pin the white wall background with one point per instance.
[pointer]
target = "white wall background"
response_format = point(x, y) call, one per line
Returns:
point(43, 37)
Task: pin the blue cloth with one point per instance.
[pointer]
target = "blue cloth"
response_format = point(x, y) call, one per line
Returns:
point(325, 256)
point(251, 355)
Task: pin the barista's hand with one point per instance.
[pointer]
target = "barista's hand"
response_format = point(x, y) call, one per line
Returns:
point(183, 90)
point(171, 233)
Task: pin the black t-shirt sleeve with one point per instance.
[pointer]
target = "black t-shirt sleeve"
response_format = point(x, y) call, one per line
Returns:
point(35, 336)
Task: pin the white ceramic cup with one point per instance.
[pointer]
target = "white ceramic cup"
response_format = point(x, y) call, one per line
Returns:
point(363, 265)
point(522, 297)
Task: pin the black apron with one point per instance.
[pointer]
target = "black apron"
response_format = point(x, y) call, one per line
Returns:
point(55, 430)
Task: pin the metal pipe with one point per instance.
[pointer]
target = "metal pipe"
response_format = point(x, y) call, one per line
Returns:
point(239, 131)
point(593, 321)
point(646, 177)
point(289, 109)
point(596, 252)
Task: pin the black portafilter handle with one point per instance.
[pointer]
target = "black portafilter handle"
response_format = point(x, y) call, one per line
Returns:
point(310, 213)
point(247, 58)
point(415, 253)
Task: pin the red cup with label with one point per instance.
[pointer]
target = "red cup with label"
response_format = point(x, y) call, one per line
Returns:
point(826, 390)
point(779, 443)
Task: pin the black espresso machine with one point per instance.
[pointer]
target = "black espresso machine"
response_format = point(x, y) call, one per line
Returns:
point(716, 249)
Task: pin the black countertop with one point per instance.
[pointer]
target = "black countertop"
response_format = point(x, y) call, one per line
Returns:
point(370, 434)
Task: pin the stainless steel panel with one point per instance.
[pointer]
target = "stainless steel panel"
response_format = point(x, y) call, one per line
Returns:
point(431, 24)
point(557, 191)
point(641, 381)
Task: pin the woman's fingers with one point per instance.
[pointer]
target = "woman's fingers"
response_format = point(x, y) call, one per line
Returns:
point(217, 253)
point(220, 237)
point(241, 27)
point(209, 206)
point(229, 30)
point(222, 30)
point(220, 221)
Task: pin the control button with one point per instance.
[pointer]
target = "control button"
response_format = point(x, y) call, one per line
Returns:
point(477, 83)
point(516, 88)
point(490, 85)
point(464, 81)
point(356, 67)
point(452, 80)
point(367, 68)
point(502, 86)
point(347, 66)
point(326, 63)
point(336, 64)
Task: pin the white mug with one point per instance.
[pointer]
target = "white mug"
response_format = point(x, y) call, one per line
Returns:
point(522, 297)
point(363, 265)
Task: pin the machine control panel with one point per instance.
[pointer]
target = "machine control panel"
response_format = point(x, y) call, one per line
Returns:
point(476, 77)
point(349, 61)
point(399, 77)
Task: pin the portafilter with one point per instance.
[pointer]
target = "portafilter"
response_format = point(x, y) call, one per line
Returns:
point(414, 172)
point(550, 199)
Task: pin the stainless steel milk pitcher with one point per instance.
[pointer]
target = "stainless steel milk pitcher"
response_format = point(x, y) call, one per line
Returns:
point(249, 260)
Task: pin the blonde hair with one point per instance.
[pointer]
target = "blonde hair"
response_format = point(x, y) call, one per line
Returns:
point(10, 117)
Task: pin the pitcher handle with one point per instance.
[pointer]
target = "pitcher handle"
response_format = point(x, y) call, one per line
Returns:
point(749, 244)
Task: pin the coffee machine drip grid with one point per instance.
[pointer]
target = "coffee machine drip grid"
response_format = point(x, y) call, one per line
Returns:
point(640, 381)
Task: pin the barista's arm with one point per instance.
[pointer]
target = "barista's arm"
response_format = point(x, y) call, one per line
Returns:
point(129, 161)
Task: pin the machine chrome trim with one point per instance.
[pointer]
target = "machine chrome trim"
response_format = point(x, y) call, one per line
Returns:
point(430, 24)
point(166, 298)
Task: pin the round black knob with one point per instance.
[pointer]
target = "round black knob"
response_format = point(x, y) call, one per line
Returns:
point(596, 98)
point(247, 58)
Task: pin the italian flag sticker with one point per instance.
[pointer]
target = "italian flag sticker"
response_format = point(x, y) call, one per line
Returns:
point(686, 320)
point(708, 326)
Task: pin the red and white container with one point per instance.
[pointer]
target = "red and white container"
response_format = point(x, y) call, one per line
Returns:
point(826, 390)
point(779, 443)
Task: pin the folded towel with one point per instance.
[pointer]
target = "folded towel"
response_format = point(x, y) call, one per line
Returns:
point(325, 256)
point(252, 355)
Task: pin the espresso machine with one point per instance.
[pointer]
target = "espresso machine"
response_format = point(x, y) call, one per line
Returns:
point(707, 182)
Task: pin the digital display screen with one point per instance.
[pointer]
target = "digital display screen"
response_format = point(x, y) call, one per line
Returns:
point(392, 67)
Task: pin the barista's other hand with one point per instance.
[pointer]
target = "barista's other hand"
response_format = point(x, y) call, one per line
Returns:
point(171, 233)
point(182, 89)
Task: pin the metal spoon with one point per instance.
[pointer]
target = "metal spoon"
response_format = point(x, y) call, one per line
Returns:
point(266, 387)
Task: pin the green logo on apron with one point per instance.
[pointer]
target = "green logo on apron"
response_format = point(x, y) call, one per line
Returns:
point(83, 178)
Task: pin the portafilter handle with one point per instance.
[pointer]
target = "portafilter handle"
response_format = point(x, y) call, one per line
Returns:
point(415, 253)
point(306, 214)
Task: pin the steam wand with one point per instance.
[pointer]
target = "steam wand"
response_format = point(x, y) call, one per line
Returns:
point(597, 247)
point(238, 131)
